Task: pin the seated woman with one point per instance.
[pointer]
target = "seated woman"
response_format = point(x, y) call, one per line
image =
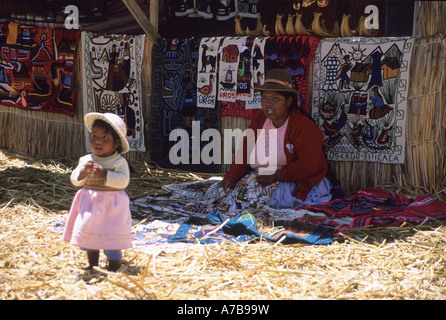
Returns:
point(301, 163)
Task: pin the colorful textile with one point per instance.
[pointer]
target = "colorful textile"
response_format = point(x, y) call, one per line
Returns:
point(204, 213)
point(37, 68)
point(174, 103)
point(237, 109)
point(257, 71)
point(252, 226)
point(213, 215)
point(245, 90)
point(207, 72)
point(377, 207)
point(231, 49)
point(360, 88)
point(112, 82)
point(295, 55)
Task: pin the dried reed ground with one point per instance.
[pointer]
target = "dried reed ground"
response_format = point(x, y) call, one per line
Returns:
point(405, 263)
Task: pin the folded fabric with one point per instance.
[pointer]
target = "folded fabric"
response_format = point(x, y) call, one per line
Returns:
point(380, 208)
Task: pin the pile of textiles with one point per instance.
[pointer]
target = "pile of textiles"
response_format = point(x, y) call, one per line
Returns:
point(201, 212)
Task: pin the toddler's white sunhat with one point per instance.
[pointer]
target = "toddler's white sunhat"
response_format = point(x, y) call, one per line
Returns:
point(112, 119)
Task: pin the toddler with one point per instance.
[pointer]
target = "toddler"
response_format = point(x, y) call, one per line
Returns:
point(100, 216)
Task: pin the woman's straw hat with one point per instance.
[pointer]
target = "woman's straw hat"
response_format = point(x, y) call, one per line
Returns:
point(277, 80)
point(116, 123)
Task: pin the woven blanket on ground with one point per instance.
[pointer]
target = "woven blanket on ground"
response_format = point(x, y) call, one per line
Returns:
point(375, 207)
point(360, 89)
point(203, 213)
point(207, 214)
point(174, 103)
point(37, 68)
point(112, 67)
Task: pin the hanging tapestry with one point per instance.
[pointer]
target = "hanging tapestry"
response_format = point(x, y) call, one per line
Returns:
point(360, 88)
point(174, 106)
point(295, 55)
point(228, 68)
point(207, 72)
point(251, 58)
point(257, 71)
point(112, 66)
point(245, 91)
point(37, 68)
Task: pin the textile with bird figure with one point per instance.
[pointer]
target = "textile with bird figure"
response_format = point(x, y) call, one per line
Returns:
point(37, 68)
point(360, 94)
point(112, 83)
point(174, 106)
point(207, 72)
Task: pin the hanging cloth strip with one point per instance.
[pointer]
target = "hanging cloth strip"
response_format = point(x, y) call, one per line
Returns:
point(258, 71)
point(245, 91)
point(228, 66)
point(207, 72)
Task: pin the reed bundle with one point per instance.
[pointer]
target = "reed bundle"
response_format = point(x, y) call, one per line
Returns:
point(432, 20)
point(35, 196)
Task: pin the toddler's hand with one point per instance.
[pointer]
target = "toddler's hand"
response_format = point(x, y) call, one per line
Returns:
point(99, 171)
point(85, 170)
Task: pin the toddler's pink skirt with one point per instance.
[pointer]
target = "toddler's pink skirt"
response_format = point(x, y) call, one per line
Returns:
point(99, 220)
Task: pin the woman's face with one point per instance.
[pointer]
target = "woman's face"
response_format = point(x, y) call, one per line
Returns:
point(275, 106)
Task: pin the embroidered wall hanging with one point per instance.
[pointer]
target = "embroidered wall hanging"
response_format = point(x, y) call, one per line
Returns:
point(257, 71)
point(228, 68)
point(360, 88)
point(174, 102)
point(207, 72)
point(37, 68)
point(112, 66)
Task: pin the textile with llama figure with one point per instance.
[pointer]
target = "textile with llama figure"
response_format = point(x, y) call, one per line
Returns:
point(360, 94)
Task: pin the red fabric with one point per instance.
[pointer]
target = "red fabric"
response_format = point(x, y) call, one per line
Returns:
point(237, 109)
point(376, 207)
point(37, 70)
point(303, 149)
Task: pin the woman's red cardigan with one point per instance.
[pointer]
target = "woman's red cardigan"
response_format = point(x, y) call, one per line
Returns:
point(306, 162)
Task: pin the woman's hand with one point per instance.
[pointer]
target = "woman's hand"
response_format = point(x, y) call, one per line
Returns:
point(268, 179)
point(228, 183)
